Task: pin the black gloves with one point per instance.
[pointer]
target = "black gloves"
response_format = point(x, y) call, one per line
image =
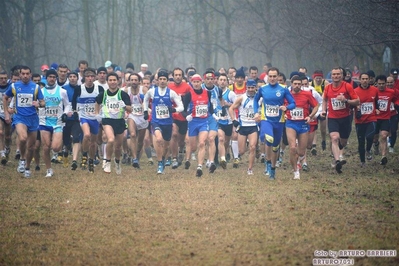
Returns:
point(145, 115)
point(64, 118)
point(236, 123)
point(75, 116)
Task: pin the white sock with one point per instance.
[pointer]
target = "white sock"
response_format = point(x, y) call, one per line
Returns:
point(234, 147)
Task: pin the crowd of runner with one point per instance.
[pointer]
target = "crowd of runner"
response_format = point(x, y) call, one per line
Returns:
point(105, 116)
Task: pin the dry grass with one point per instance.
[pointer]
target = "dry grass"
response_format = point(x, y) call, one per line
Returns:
point(228, 218)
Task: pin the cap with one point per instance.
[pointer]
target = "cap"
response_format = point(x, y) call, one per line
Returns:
point(44, 67)
point(54, 66)
point(191, 73)
point(144, 65)
point(108, 63)
point(251, 83)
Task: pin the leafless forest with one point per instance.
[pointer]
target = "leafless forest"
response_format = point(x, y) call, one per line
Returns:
point(205, 33)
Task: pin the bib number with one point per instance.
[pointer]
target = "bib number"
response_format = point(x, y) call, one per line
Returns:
point(383, 105)
point(297, 114)
point(366, 108)
point(113, 106)
point(137, 109)
point(272, 110)
point(162, 112)
point(52, 111)
point(201, 110)
point(25, 100)
point(89, 109)
point(337, 104)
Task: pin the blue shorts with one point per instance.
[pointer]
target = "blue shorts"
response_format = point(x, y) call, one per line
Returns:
point(56, 129)
point(93, 124)
point(299, 126)
point(271, 132)
point(197, 125)
point(166, 130)
point(213, 125)
point(31, 121)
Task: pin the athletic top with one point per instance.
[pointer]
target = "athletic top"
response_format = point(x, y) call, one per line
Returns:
point(273, 97)
point(199, 104)
point(368, 100)
point(113, 103)
point(386, 99)
point(304, 100)
point(25, 94)
point(246, 112)
point(181, 89)
point(56, 103)
point(228, 97)
point(86, 102)
point(338, 109)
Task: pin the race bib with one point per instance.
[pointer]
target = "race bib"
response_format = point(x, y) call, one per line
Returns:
point(137, 109)
point(25, 100)
point(337, 104)
point(272, 110)
point(250, 114)
point(51, 111)
point(89, 109)
point(113, 106)
point(297, 113)
point(383, 105)
point(366, 108)
point(201, 110)
point(162, 112)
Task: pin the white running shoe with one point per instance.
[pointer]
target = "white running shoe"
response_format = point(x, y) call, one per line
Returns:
point(391, 150)
point(27, 174)
point(297, 175)
point(193, 158)
point(118, 168)
point(49, 173)
point(21, 166)
point(249, 172)
point(107, 167)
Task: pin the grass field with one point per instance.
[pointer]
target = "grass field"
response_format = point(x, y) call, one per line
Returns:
point(228, 218)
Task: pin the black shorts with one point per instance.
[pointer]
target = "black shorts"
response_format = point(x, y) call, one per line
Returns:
point(118, 125)
point(246, 131)
point(382, 125)
point(227, 129)
point(166, 130)
point(341, 125)
point(183, 125)
point(72, 127)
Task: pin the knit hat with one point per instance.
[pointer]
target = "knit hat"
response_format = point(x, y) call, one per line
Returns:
point(371, 73)
point(240, 73)
point(51, 72)
point(130, 65)
point(163, 73)
point(101, 69)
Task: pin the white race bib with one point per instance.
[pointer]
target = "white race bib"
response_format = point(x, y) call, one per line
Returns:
point(113, 105)
point(137, 109)
point(89, 109)
point(162, 112)
point(201, 110)
point(25, 100)
point(272, 110)
point(383, 105)
point(51, 111)
point(366, 108)
point(337, 104)
point(297, 113)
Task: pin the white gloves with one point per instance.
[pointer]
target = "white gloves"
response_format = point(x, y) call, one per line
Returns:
point(189, 118)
